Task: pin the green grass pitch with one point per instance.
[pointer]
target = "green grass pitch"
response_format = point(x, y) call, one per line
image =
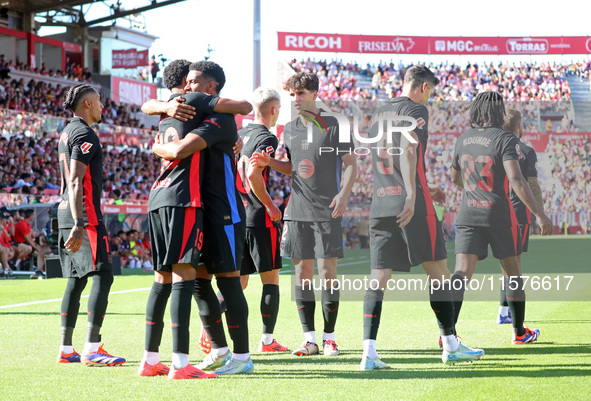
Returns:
point(558, 366)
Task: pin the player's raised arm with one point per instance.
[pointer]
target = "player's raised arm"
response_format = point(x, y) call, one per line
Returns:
point(174, 108)
point(408, 170)
point(521, 188)
point(263, 159)
point(174, 150)
point(340, 201)
point(233, 106)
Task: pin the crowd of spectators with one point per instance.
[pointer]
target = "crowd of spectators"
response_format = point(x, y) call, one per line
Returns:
point(29, 169)
point(73, 71)
point(569, 188)
point(538, 90)
point(37, 96)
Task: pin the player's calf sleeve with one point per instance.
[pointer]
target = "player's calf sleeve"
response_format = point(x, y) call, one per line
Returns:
point(99, 296)
point(443, 306)
point(221, 301)
point(209, 312)
point(155, 309)
point(330, 308)
point(306, 303)
point(516, 301)
point(372, 312)
point(457, 294)
point(504, 293)
point(70, 307)
point(97, 304)
point(180, 315)
point(237, 312)
point(269, 307)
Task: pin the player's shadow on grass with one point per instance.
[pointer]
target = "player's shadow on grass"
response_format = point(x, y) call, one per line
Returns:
point(57, 313)
point(558, 321)
point(342, 359)
point(460, 370)
point(528, 350)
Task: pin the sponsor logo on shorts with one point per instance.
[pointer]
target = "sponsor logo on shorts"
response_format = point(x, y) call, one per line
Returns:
point(389, 191)
point(479, 204)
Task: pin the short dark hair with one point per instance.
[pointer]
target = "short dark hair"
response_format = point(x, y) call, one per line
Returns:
point(487, 110)
point(28, 213)
point(175, 72)
point(419, 74)
point(210, 71)
point(74, 95)
point(512, 120)
point(303, 80)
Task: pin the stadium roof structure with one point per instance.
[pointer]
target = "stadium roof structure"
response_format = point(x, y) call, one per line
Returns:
point(56, 10)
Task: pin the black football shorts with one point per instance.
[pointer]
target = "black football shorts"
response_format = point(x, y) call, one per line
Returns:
point(312, 240)
point(504, 241)
point(261, 251)
point(396, 248)
point(223, 247)
point(94, 254)
point(177, 236)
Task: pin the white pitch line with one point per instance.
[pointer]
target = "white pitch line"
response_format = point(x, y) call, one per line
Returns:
point(59, 299)
point(340, 264)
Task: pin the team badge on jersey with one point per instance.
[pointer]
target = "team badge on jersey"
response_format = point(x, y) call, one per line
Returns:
point(85, 147)
point(421, 122)
point(305, 144)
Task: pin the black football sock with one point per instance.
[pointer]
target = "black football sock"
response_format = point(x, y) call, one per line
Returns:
point(209, 312)
point(221, 301)
point(372, 312)
point(504, 293)
point(155, 310)
point(237, 312)
point(306, 303)
point(97, 304)
point(457, 294)
point(269, 307)
point(70, 307)
point(180, 315)
point(516, 301)
point(443, 305)
point(330, 308)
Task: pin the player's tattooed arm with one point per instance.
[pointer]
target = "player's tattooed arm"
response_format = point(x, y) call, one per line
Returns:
point(534, 185)
point(341, 200)
point(174, 108)
point(75, 185)
point(521, 188)
point(233, 106)
point(254, 174)
point(263, 160)
point(408, 170)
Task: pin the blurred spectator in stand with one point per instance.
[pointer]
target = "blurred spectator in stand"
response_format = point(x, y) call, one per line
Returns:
point(153, 65)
